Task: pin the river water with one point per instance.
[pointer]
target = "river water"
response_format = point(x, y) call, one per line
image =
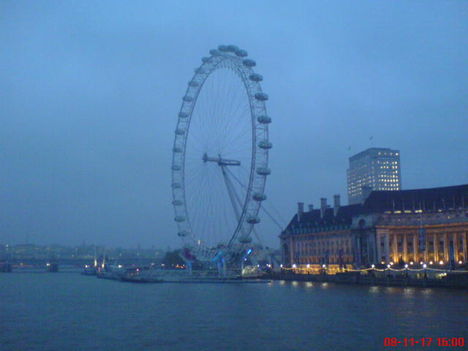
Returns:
point(68, 311)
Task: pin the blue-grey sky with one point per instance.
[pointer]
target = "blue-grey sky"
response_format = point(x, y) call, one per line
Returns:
point(90, 90)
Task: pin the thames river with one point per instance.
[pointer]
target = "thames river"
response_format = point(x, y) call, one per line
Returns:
point(67, 311)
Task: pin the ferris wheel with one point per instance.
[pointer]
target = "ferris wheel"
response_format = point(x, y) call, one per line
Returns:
point(220, 154)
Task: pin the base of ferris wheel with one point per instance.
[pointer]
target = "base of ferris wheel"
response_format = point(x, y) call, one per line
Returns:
point(216, 266)
point(206, 275)
point(223, 265)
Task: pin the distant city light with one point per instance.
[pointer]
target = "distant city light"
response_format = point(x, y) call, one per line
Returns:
point(294, 265)
point(424, 265)
point(406, 265)
point(373, 266)
point(441, 262)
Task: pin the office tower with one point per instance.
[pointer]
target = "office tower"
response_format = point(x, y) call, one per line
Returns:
point(373, 169)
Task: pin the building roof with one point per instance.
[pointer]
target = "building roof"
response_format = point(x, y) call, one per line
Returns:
point(313, 219)
point(432, 199)
point(372, 150)
point(443, 198)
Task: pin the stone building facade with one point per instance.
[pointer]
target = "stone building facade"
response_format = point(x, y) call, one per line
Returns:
point(423, 226)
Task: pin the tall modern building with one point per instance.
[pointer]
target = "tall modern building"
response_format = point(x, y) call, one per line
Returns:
point(373, 169)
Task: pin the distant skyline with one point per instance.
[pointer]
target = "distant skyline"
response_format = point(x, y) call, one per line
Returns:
point(90, 92)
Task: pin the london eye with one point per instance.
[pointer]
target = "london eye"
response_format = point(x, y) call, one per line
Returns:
point(220, 155)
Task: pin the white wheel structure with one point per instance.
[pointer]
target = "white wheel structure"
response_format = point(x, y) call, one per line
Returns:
point(220, 155)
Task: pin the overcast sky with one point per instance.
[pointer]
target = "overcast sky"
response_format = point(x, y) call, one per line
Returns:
point(90, 91)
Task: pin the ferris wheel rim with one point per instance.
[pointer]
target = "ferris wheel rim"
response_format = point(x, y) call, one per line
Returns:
point(242, 66)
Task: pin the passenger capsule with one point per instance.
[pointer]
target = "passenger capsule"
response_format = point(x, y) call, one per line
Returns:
point(223, 48)
point(183, 114)
point(253, 219)
point(187, 98)
point(265, 145)
point(255, 77)
point(183, 233)
point(177, 203)
point(261, 96)
point(205, 59)
point(180, 131)
point(264, 119)
point(241, 53)
point(263, 171)
point(259, 197)
point(176, 185)
point(179, 219)
point(200, 70)
point(177, 150)
point(176, 168)
point(232, 48)
point(214, 52)
point(249, 63)
point(193, 83)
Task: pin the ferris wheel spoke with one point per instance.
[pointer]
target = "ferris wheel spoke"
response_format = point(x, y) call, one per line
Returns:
point(240, 119)
point(232, 133)
point(240, 136)
point(228, 92)
point(236, 120)
point(197, 142)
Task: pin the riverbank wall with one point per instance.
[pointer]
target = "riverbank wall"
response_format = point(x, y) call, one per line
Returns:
point(450, 280)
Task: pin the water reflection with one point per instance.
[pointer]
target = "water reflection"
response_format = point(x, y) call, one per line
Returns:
point(222, 317)
point(409, 292)
point(404, 292)
point(427, 291)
